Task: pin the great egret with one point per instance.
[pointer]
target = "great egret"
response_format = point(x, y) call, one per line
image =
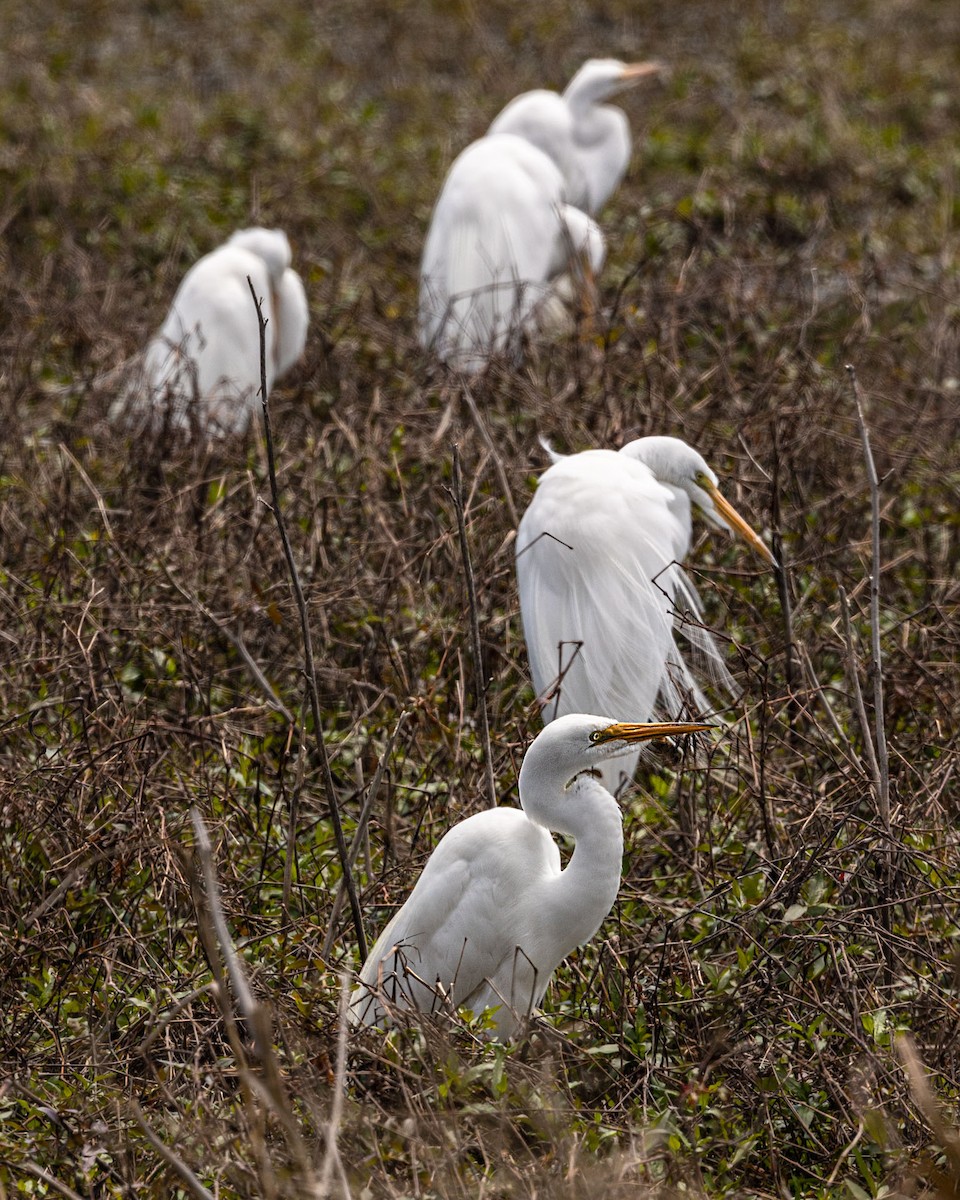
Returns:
point(203, 365)
point(493, 915)
point(598, 564)
point(587, 139)
point(502, 246)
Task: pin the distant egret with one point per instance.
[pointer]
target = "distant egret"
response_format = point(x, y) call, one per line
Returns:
point(493, 914)
point(502, 248)
point(601, 587)
point(203, 366)
point(588, 140)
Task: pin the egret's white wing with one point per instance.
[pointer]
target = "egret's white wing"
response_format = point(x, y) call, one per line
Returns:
point(544, 119)
point(495, 238)
point(292, 317)
point(472, 900)
point(203, 364)
point(603, 161)
point(598, 581)
point(580, 254)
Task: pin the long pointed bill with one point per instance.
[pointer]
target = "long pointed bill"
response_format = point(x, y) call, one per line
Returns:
point(735, 522)
point(625, 731)
point(634, 72)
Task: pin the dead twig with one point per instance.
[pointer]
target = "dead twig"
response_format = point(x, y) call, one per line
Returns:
point(783, 588)
point(228, 952)
point(853, 679)
point(481, 687)
point(875, 671)
point(360, 832)
point(947, 1184)
point(498, 466)
point(170, 1157)
point(332, 1158)
point(236, 641)
point(268, 1084)
point(309, 669)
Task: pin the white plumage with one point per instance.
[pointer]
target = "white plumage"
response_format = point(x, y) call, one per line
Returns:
point(601, 587)
point(203, 366)
point(588, 140)
point(502, 247)
point(492, 914)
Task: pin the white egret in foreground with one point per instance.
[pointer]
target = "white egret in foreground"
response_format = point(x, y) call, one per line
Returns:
point(502, 247)
point(493, 915)
point(587, 139)
point(601, 587)
point(203, 366)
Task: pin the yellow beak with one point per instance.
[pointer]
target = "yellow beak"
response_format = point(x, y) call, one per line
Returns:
point(646, 732)
point(733, 519)
point(637, 71)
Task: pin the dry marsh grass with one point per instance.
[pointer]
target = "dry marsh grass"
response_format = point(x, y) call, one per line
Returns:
point(792, 208)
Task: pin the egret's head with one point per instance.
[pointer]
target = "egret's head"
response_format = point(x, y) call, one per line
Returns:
point(675, 463)
point(600, 78)
point(574, 744)
point(272, 245)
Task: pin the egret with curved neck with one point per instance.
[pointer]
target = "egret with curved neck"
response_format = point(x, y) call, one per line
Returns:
point(588, 139)
point(493, 914)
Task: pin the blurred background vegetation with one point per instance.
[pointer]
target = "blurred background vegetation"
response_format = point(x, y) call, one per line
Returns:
point(793, 206)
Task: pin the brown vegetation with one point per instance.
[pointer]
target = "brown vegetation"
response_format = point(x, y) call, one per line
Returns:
point(792, 209)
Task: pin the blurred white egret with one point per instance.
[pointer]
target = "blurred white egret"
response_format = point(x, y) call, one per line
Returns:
point(502, 248)
point(493, 915)
point(601, 587)
point(587, 139)
point(203, 365)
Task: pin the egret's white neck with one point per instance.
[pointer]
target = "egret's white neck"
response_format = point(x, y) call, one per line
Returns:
point(583, 893)
point(593, 123)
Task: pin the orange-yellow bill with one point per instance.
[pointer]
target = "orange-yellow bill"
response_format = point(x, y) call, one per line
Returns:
point(627, 731)
point(636, 71)
point(726, 510)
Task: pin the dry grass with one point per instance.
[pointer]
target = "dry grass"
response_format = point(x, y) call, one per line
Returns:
point(730, 1031)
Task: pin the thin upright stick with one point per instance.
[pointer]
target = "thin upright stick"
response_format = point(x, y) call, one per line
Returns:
point(332, 1157)
point(876, 667)
point(359, 833)
point(170, 1157)
point(228, 952)
point(494, 454)
point(268, 1083)
point(312, 690)
point(783, 588)
point(868, 749)
point(481, 687)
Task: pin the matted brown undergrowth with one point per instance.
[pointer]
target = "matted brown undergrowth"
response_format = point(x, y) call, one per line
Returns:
point(731, 1029)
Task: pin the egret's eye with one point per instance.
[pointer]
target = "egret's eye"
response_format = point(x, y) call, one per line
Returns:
point(701, 479)
point(595, 736)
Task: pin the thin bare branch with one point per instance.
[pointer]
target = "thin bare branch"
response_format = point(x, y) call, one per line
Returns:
point(310, 670)
point(170, 1157)
point(853, 679)
point(331, 1159)
point(237, 642)
point(875, 673)
point(481, 427)
point(360, 832)
point(475, 644)
point(235, 972)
